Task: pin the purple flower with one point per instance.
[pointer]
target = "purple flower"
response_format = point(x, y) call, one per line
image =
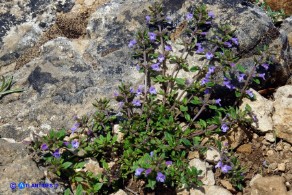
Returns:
point(249, 92)
point(262, 76)
point(148, 18)
point(200, 50)
point(132, 43)
point(227, 83)
point(234, 40)
point(66, 143)
point(204, 81)
point(152, 36)
point(241, 77)
point(57, 154)
point(136, 103)
point(224, 128)
point(168, 19)
point(151, 154)
point(155, 67)
point(211, 14)
point(209, 55)
point(218, 101)
point(168, 48)
point(75, 127)
point(44, 147)
point(152, 90)
point(139, 90)
point(232, 64)
point(116, 94)
point(219, 165)
point(139, 171)
point(132, 90)
point(211, 69)
point(208, 22)
point(227, 44)
point(148, 171)
point(75, 144)
point(266, 66)
point(207, 91)
point(226, 168)
point(160, 177)
point(168, 163)
point(204, 33)
point(161, 58)
point(138, 67)
point(189, 16)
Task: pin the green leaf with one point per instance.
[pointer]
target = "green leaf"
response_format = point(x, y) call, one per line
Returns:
point(97, 187)
point(203, 123)
point(79, 190)
point(67, 191)
point(237, 94)
point(240, 68)
point(196, 101)
point(247, 108)
point(196, 140)
point(79, 165)
point(187, 117)
point(151, 184)
point(183, 108)
point(186, 142)
point(194, 68)
point(213, 107)
point(78, 179)
point(180, 81)
point(257, 81)
point(66, 165)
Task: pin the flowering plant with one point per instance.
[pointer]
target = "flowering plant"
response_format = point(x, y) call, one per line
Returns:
point(165, 118)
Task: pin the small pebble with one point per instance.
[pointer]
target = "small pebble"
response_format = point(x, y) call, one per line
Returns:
point(273, 166)
point(270, 152)
point(255, 136)
point(279, 147)
point(270, 137)
point(281, 167)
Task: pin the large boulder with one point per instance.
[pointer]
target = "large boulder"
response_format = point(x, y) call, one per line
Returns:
point(84, 56)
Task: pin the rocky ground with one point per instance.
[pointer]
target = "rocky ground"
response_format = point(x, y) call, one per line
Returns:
point(64, 54)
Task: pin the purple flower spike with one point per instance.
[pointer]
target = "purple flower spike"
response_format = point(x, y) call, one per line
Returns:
point(136, 102)
point(200, 50)
point(241, 77)
point(227, 44)
point(204, 33)
point(224, 128)
point(234, 40)
point(168, 48)
point(152, 90)
point(249, 93)
point(44, 147)
point(226, 168)
point(161, 58)
point(75, 144)
point(262, 76)
point(57, 154)
point(132, 43)
point(155, 67)
point(168, 163)
point(219, 165)
point(160, 177)
point(75, 127)
point(152, 36)
point(227, 83)
point(139, 171)
point(148, 171)
point(266, 66)
point(148, 18)
point(209, 55)
point(211, 14)
point(189, 16)
point(218, 101)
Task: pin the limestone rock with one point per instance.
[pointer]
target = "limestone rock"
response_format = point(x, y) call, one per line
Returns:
point(262, 108)
point(268, 186)
point(282, 116)
point(212, 155)
point(207, 173)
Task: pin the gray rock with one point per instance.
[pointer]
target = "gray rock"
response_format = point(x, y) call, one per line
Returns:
point(17, 166)
point(268, 185)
